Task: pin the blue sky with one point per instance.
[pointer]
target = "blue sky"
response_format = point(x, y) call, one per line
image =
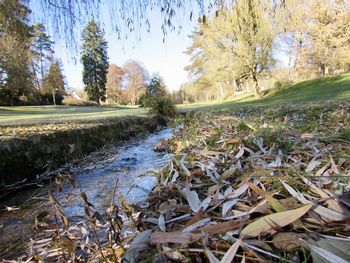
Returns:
point(166, 59)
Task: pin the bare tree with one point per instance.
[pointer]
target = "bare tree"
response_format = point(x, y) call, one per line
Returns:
point(114, 83)
point(135, 81)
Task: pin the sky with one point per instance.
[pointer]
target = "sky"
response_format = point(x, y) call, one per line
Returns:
point(165, 58)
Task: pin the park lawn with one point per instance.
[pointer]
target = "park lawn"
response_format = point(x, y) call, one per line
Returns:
point(315, 90)
point(308, 91)
point(29, 115)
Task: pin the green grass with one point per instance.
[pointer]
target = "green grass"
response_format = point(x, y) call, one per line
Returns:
point(47, 114)
point(315, 90)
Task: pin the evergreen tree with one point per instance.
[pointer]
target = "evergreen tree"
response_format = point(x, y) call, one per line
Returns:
point(95, 62)
point(15, 73)
point(53, 86)
point(156, 87)
point(41, 46)
point(14, 20)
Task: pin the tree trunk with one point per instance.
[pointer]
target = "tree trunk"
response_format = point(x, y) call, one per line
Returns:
point(290, 73)
point(256, 88)
point(222, 92)
point(54, 97)
point(234, 87)
point(35, 77)
point(297, 55)
point(323, 70)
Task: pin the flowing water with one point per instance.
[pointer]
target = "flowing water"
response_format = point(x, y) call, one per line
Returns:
point(131, 165)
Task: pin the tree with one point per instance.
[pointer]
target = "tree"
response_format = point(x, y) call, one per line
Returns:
point(41, 47)
point(328, 34)
point(293, 34)
point(95, 62)
point(234, 45)
point(63, 16)
point(53, 86)
point(114, 83)
point(315, 33)
point(156, 87)
point(14, 20)
point(15, 74)
point(135, 78)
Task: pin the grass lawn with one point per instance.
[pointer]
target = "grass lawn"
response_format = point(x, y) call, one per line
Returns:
point(47, 114)
point(315, 90)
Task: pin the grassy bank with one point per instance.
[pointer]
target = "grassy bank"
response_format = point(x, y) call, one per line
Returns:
point(31, 115)
point(29, 151)
point(326, 89)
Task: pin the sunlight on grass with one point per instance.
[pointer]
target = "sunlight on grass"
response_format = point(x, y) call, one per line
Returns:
point(65, 113)
point(330, 88)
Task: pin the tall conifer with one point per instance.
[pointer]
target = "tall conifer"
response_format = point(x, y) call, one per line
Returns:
point(95, 62)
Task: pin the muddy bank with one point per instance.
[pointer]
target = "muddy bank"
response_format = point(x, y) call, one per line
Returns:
point(24, 158)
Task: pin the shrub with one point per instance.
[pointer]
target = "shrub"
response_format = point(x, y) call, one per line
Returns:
point(280, 84)
point(69, 101)
point(163, 106)
point(48, 99)
point(145, 100)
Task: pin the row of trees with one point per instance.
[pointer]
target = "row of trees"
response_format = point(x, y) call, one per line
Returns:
point(234, 48)
point(109, 83)
point(29, 73)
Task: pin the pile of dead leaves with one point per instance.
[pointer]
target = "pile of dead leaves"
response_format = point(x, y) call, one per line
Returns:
point(236, 189)
point(257, 185)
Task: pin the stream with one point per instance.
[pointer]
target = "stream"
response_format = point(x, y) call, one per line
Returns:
point(132, 164)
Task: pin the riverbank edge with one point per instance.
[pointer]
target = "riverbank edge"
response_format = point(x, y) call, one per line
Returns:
point(25, 158)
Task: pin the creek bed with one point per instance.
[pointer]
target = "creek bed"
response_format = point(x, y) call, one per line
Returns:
point(132, 164)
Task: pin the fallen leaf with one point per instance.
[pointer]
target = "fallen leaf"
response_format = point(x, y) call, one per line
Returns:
point(227, 174)
point(220, 227)
point(210, 256)
point(192, 199)
point(227, 206)
point(312, 165)
point(161, 223)
point(288, 241)
point(174, 237)
point(231, 253)
point(240, 153)
point(196, 225)
point(267, 223)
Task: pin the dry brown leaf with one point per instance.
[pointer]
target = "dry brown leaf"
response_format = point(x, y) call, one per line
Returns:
point(197, 217)
point(267, 223)
point(221, 227)
point(231, 253)
point(174, 237)
point(312, 165)
point(288, 241)
point(227, 174)
point(332, 203)
point(210, 256)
